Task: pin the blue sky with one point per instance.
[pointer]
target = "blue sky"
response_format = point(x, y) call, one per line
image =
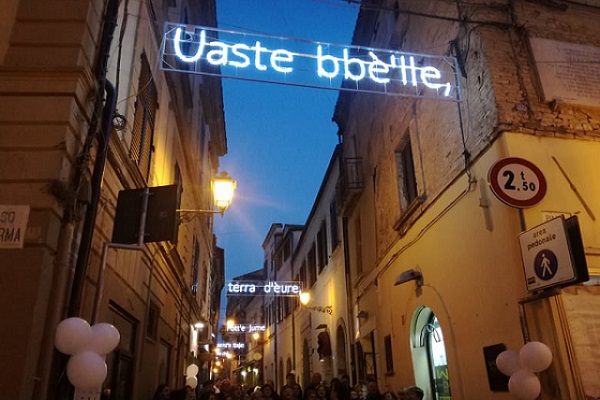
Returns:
point(280, 138)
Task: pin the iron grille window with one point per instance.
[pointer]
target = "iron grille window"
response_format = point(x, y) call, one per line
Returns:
point(146, 104)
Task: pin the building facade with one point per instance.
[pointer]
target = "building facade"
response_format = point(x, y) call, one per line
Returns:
point(87, 113)
point(428, 283)
point(434, 254)
point(315, 337)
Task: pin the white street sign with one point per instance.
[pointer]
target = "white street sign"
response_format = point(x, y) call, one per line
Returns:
point(13, 224)
point(546, 255)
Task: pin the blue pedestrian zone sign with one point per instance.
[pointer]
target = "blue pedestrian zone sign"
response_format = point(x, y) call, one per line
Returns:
point(553, 254)
point(545, 265)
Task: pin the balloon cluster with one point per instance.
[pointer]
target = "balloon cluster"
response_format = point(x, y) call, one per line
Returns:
point(521, 367)
point(190, 376)
point(88, 346)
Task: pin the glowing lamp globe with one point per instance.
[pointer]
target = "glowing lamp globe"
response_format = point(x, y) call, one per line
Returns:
point(223, 187)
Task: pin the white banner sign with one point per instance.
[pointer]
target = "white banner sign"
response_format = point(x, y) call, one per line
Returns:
point(250, 56)
point(253, 288)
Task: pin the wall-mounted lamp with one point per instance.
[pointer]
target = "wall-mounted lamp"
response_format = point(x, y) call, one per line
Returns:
point(223, 187)
point(305, 299)
point(410, 275)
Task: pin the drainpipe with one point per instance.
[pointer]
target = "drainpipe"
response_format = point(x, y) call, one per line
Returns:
point(110, 23)
point(57, 300)
point(349, 304)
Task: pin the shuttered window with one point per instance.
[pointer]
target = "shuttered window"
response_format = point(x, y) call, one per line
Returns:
point(146, 105)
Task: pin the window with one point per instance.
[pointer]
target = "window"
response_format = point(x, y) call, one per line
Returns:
point(196, 266)
point(358, 240)
point(179, 182)
point(311, 265)
point(407, 182)
point(120, 361)
point(389, 358)
point(334, 234)
point(287, 249)
point(152, 320)
point(146, 104)
point(322, 247)
point(303, 275)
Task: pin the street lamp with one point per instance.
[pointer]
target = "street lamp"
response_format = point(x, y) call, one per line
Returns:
point(223, 187)
point(230, 323)
point(305, 299)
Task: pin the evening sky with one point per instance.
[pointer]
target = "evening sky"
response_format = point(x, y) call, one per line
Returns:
point(280, 138)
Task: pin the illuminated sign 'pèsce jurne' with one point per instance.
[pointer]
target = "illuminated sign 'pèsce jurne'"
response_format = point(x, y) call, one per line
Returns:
point(265, 58)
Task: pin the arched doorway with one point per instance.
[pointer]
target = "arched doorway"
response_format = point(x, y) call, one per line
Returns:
point(340, 352)
point(429, 355)
point(306, 372)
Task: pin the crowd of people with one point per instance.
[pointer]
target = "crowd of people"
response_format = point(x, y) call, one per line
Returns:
point(337, 389)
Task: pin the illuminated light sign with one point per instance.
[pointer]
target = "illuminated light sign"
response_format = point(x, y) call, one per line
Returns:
point(247, 328)
point(253, 288)
point(249, 56)
point(231, 345)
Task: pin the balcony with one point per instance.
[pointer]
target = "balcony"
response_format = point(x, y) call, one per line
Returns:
point(351, 185)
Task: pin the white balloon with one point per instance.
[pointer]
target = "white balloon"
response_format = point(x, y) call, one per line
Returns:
point(192, 370)
point(508, 362)
point(86, 370)
point(524, 385)
point(72, 335)
point(105, 338)
point(535, 356)
point(191, 381)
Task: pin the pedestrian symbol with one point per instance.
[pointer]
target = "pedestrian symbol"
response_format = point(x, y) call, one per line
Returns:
point(545, 265)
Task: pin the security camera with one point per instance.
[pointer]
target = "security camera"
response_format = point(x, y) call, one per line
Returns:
point(409, 275)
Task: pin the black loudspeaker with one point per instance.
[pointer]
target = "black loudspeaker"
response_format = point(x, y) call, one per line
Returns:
point(161, 215)
point(577, 251)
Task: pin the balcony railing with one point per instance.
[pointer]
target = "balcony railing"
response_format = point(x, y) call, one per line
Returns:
point(351, 184)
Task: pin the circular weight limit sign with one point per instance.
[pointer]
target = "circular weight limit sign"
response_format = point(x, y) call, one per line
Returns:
point(517, 182)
